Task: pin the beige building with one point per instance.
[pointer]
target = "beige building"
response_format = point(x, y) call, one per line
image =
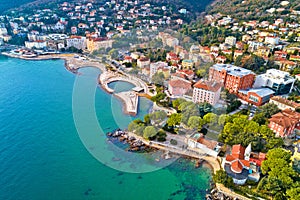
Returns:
point(283, 103)
point(143, 62)
point(206, 91)
point(94, 44)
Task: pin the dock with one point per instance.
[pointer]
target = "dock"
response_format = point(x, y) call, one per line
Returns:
point(130, 100)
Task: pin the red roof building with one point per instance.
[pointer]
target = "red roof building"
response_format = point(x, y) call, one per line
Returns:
point(179, 87)
point(285, 122)
point(189, 74)
point(221, 59)
point(243, 164)
point(207, 91)
point(232, 77)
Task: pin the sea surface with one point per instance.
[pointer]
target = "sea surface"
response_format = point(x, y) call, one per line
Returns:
point(42, 156)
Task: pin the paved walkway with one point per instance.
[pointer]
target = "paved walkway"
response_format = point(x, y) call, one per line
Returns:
point(228, 192)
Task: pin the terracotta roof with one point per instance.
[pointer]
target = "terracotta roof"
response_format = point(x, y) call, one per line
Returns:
point(238, 151)
point(180, 75)
point(127, 58)
point(208, 85)
point(180, 83)
point(287, 118)
point(237, 167)
point(75, 36)
point(230, 158)
point(99, 39)
point(187, 72)
point(280, 52)
point(144, 59)
point(294, 57)
point(285, 101)
point(172, 54)
point(208, 143)
point(245, 163)
point(238, 51)
point(221, 58)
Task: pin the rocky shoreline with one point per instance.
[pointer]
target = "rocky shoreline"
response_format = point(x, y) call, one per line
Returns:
point(135, 145)
point(215, 194)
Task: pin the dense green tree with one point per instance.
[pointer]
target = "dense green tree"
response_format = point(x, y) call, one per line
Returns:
point(294, 193)
point(149, 132)
point(189, 111)
point(269, 109)
point(158, 116)
point(260, 118)
point(114, 53)
point(195, 122)
point(137, 126)
point(239, 130)
point(251, 127)
point(221, 177)
point(210, 118)
point(252, 62)
point(177, 102)
point(147, 119)
point(280, 176)
point(223, 119)
point(235, 104)
point(159, 97)
point(174, 119)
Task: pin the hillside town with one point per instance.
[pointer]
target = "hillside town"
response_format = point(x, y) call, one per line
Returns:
point(235, 99)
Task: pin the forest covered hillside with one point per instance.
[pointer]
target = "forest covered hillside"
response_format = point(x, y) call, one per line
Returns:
point(254, 9)
point(191, 5)
point(5, 4)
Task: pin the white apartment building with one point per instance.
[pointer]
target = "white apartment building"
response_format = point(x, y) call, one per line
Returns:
point(272, 40)
point(154, 67)
point(207, 91)
point(3, 31)
point(279, 81)
point(230, 40)
point(76, 41)
point(40, 44)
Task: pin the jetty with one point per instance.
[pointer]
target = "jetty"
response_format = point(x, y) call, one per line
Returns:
point(130, 99)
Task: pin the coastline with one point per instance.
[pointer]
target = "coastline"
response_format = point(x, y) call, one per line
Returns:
point(70, 62)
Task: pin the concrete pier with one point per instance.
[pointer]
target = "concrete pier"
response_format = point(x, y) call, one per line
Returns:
point(130, 100)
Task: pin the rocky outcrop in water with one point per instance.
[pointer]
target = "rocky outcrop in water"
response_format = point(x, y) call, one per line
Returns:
point(216, 195)
point(135, 145)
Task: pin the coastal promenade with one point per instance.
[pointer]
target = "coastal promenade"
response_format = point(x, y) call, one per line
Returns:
point(213, 163)
point(72, 64)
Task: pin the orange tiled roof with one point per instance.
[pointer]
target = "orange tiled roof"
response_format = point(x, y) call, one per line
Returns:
point(208, 85)
point(245, 163)
point(186, 71)
point(209, 143)
point(286, 118)
point(237, 167)
point(180, 83)
point(285, 101)
point(238, 151)
point(230, 158)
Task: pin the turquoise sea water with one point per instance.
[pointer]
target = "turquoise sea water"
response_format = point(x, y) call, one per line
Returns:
point(42, 156)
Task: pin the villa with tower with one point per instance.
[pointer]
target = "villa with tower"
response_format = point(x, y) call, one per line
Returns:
point(243, 164)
